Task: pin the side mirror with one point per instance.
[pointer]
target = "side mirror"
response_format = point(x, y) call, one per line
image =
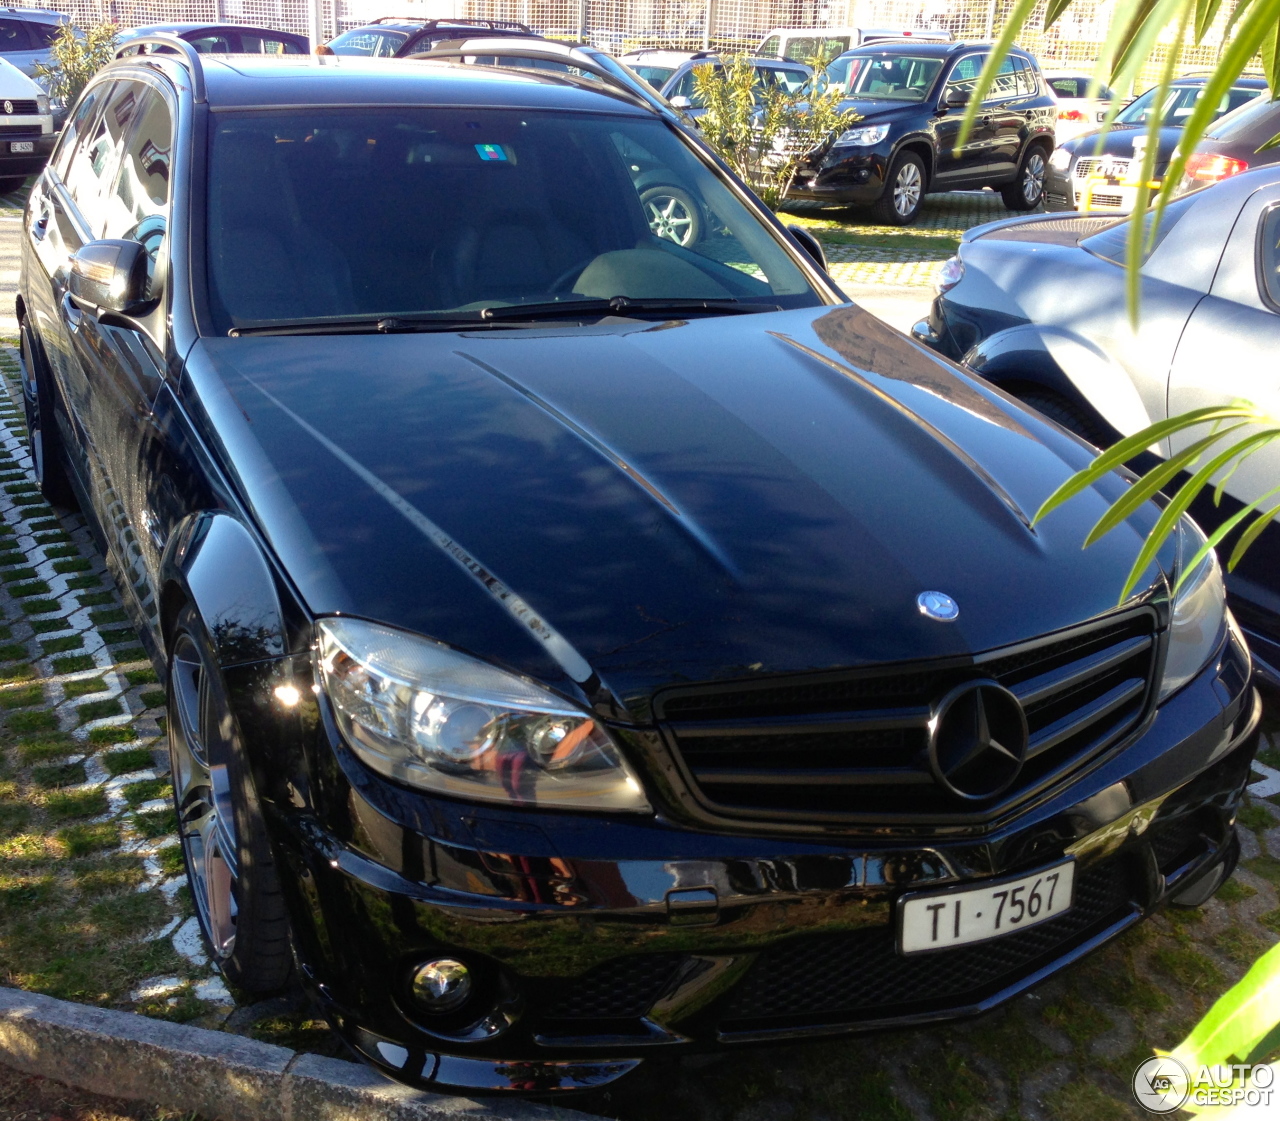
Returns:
point(681, 102)
point(956, 98)
point(810, 245)
point(111, 275)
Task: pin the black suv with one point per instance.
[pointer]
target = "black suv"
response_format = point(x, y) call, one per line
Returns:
point(912, 98)
point(582, 643)
point(401, 36)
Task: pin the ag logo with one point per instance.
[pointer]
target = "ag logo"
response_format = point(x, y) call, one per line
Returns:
point(1161, 1084)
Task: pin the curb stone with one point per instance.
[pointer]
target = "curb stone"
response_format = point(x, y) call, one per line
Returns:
point(215, 1074)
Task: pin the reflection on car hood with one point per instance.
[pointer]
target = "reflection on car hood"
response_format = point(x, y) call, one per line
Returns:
point(870, 107)
point(667, 502)
point(1119, 142)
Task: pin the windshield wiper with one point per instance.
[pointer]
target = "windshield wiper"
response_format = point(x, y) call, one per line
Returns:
point(620, 305)
point(380, 325)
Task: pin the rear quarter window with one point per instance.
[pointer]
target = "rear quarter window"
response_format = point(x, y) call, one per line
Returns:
point(1269, 257)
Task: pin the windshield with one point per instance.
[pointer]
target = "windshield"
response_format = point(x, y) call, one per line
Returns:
point(894, 77)
point(344, 212)
point(656, 76)
point(1179, 103)
point(375, 41)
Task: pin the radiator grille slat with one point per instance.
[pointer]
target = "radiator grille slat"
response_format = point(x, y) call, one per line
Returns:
point(853, 745)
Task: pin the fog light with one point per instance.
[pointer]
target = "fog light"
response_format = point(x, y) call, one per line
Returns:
point(442, 985)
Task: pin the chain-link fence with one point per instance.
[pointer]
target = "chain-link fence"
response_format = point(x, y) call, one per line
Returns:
point(623, 25)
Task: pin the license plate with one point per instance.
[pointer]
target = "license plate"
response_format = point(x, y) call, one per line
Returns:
point(22, 146)
point(938, 920)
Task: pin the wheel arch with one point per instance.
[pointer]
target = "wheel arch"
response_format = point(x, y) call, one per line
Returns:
point(1063, 364)
point(922, 148)
point(213, 562)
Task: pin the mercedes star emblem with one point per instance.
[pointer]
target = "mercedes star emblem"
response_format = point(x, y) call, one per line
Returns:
point(977, 740)
point(937, 605)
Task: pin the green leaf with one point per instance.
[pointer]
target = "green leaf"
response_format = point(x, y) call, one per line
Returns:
point(1219, 534)
point(1270, 51)
point(1239, 1020)
point(1022, 11)
point(1055, 10)
point(1130, 446)
point(1274, 142)
point(1206, 11)
point(1249, 536)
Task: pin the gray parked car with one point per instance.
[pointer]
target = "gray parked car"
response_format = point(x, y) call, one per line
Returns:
point(25, 36)
point(1037, 305)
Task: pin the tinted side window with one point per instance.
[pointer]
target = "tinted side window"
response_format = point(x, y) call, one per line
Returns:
point(212, 44)
point(1068, 87)
point(43, 34)
point(1026, 76)
point(95, 159)
point(80, 122)
point(964, 75)
point(138, 204)
point(264, 44)
point(1269, 255)
point(1005, 84)
point(769, 48)
point(13, 36)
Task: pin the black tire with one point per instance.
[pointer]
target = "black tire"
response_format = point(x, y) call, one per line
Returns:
point(246, 928)
point(11, 183)
point(1071, 415)
point(1026, 192)
point(45, 441)
point(672, 214)
point(899, 204)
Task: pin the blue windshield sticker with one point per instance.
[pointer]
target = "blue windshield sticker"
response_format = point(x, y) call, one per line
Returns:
point(491, 152)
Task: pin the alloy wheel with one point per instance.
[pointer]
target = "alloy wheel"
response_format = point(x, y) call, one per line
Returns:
point(202, 792)
point(670, 218)
point(1033, 178)
point(906, 189)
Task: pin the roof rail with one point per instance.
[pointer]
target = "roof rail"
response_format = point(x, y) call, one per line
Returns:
point(171, 43)
point(460, 22)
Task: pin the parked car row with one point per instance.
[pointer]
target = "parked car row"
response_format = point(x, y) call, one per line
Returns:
point(581, 644)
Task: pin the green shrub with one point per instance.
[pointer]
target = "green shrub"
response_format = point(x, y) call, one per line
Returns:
point(77, 57)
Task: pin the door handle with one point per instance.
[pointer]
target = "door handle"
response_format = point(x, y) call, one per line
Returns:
point(72, 314)
point(40, 227)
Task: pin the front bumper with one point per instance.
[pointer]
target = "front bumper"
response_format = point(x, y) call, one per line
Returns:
point(596, 940)
point(26, 163)
point(844, 176)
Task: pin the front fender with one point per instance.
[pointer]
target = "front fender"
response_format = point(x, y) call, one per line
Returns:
point(1067, 365)
point(213, 561)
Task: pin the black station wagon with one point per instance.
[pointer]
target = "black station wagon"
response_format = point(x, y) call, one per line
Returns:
point(582, 642)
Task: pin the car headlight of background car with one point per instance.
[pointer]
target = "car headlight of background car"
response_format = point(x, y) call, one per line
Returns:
point(863, 136)
point(1199, 613)
point(430, 717)
point(1060, 160)
point(42, 103)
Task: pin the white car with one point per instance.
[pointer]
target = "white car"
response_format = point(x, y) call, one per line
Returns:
point(1076, 112)
point(657, 66)
point(26, 127)
point(800, 44)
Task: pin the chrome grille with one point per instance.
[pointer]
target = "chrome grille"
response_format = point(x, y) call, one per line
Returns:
point(10, 132)
point(1101, 165)
point(1106, 202)
point(852, 745)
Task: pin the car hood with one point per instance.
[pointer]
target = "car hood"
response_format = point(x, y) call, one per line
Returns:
point(649, 503)
point(878, 108)
point(1119, 142)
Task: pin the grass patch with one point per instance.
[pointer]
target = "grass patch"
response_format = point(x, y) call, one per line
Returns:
point(59, 551)
point(96, 710)
point(78, 582)
point(1077, 1018)
point(73, 663)
point(1233, 891)
point(110, 874)
point(51, 538)
point(14, 817)
point(1189, 968)
point(113, 636)
point(15, 574)
point(41, 606)
point(1271, 920)
point(117, 734)
point(170, 860)
point(154, 698)
point(21, 698)
point(77, 565)
point(52, 776)
point(35, 588)
point(102, 618)
point(1240, 945)
point(141, 677)
point(131, 654)
point(84, 688)
point(14, 556)
point(131, 759)
point(135, 793)
point(11, 651)
point(1085, 1101)
point(81, 840)
point(1270, 756)
point(47, 526)
point(40, 749)
point(95, 599)
point(62, 645)
point(24, 671)
point(156, 823)
point(48, 626)
point(63, 805)
point(1268, 867)
point(38, 721)
point(1255, 817)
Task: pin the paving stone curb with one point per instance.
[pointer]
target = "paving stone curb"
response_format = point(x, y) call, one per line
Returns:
point(219, 1076)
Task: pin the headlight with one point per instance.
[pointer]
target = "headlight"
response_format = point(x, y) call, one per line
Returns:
point(1199, 612)
point(949, 274)
point(1060, 160)
point(430, 717)
point(42, 103)
point(864, 135)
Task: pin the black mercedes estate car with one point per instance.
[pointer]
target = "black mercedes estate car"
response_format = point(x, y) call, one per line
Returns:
point(911, 98)
point(582, 645)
